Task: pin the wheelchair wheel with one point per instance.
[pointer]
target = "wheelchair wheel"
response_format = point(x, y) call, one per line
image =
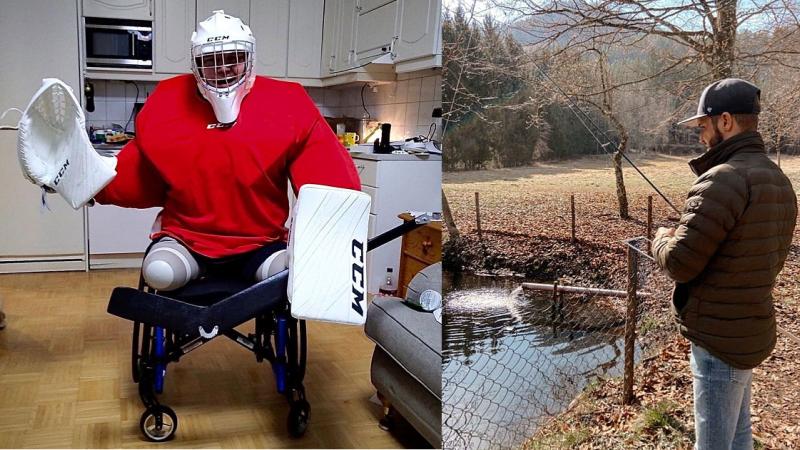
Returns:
point(297, 421)
point(158, 423)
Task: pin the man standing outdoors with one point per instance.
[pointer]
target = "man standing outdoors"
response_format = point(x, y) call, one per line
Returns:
point(724, 256)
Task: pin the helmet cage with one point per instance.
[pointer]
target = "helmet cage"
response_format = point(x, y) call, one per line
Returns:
point(209, 61)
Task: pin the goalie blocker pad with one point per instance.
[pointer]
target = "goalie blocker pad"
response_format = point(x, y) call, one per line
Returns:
point(54, 149)
point(328, 254)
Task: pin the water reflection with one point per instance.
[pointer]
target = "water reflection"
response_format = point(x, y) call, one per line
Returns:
point(512, 360)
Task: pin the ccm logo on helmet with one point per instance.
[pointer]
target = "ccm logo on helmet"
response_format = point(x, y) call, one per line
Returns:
point(217, 38)
point(61, 172)
point(358, 276)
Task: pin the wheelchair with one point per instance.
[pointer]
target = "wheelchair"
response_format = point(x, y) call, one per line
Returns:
point(168, 326)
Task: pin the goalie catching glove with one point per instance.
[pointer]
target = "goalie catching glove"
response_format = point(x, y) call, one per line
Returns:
point(54, 150)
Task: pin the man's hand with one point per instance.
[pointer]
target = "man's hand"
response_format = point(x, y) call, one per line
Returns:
point(664, 232)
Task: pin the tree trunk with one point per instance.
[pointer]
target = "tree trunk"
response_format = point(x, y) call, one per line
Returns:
point(723, 56)
point(622, 196)
point(452, 230)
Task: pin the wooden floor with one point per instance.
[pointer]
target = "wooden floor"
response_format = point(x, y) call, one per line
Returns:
point(65, 379)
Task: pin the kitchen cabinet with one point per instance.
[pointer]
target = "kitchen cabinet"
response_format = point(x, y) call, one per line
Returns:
point(236, 8)
point(419, 43)
point(270, 26)
point(119, 9)
point(375, 29)
point(338, 35)
point(118, 236)
point(36, 238)
point(305, 38)
point(344, 56)
point(329, 36)
point(358, 31)
point(174, 24)
point(396, 184)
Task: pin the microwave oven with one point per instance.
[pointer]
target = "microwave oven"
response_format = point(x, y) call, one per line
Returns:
point(119, 43)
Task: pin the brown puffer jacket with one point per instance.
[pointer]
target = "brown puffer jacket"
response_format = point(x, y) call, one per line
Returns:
point(733, 238)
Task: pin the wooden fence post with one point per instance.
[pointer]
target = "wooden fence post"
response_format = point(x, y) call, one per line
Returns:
point(649, 217)
point(554, 310)
point(630, 325)
point(478, 215)
point(572, 211)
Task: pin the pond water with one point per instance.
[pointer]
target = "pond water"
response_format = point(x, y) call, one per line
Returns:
point(508, 366)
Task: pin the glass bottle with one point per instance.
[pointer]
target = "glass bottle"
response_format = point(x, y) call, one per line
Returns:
point(388, 287)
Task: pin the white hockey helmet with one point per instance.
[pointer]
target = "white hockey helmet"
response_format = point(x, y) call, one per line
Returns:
point(223, 60)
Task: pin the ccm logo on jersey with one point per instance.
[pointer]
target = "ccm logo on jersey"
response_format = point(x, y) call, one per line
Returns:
point(358, 276)
point(217, 38)
point(61, 173)
point(212, 126)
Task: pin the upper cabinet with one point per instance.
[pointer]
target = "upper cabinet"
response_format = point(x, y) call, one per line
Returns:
point(305, 38)
point(269, 21)
point(359, 31)
point(419, 42)
point(375, 29)
point(344, 50)
point(315, 42)
point(174, 24)
point(119, 9)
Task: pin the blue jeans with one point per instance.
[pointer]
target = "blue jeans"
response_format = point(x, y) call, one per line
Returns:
point(721, 403)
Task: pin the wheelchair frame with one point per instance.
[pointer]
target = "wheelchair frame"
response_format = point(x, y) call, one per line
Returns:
point(149, 360)
point(278, 338)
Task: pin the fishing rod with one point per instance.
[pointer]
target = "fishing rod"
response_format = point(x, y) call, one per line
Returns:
point(583, 118)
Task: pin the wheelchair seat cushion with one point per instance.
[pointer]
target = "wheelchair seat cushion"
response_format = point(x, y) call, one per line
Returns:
point(207, 291)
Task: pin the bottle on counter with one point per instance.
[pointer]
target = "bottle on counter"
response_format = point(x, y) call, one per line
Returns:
point(388, 287)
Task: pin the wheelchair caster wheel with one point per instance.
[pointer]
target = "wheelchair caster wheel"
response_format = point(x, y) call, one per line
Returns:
point(159, 423)
point(298, 418)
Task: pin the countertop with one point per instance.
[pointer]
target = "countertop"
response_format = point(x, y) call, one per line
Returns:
point(394, 157)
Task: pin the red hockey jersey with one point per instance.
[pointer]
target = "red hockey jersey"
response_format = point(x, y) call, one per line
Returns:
point(224, 190)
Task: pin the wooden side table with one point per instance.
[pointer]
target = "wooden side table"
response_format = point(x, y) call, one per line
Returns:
point(420, 248)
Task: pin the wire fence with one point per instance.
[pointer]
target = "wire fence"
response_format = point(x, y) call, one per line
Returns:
point(516, 357)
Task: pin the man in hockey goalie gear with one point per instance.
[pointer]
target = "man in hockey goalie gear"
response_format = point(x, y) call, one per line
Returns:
point(216, 149)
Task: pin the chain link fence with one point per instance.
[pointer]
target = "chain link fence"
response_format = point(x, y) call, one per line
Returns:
point(517, 354)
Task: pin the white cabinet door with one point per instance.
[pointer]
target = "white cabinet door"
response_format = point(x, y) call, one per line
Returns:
point(345, 32)
point(270, 25)
point(119, 9)
point(174, 23)
point(30, 235)
point(305, 38)
point(119, 230)
point(375, 29)
point(330, 36)
point(395, 186)
point(419, 30)
point(236, 8)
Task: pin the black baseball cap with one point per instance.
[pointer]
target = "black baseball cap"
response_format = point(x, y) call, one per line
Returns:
point(731, 95)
